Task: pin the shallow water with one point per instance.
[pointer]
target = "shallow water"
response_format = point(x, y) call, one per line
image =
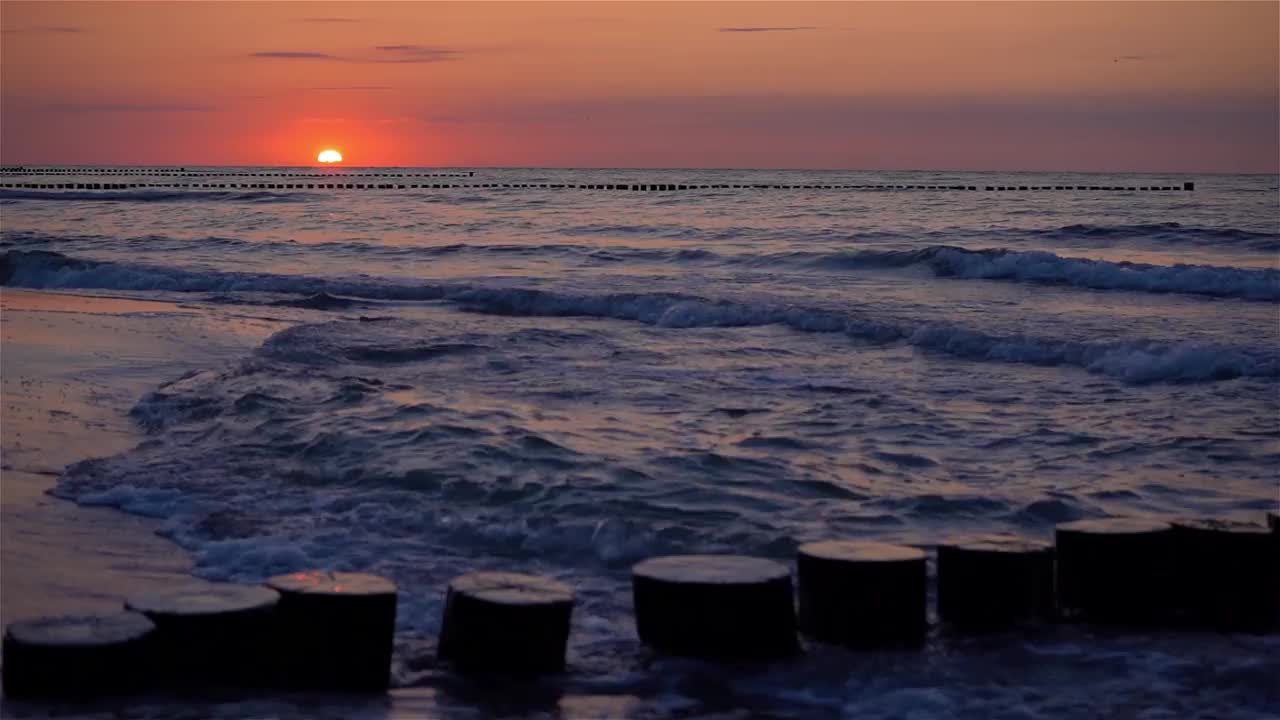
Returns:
point(567, 381)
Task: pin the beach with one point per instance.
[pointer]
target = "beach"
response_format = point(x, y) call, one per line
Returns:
point(211, 386)
point(59, 558)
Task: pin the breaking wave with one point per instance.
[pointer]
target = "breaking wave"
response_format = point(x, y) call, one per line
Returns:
point(944, 261)
point(1133, 361)
point(1048, 268)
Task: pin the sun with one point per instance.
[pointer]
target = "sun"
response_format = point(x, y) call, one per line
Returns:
point(329, 156)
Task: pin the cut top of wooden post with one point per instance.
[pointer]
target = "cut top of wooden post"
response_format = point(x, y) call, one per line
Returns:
point(325, 582)
point(995, 543)
point(81, 630)
point(507, 588)
point(205, 600)
point(711, 569)
point(1115, 526)
point(861, 551)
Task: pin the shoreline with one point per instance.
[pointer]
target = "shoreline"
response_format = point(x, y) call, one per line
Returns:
point(73, 365)
point(58, 557)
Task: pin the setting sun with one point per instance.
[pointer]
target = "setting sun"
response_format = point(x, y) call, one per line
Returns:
point(329, 156)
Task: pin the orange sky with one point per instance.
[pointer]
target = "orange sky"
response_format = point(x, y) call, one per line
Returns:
point(903, 85)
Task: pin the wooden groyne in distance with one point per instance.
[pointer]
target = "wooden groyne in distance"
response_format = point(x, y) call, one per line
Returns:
point(332, 182)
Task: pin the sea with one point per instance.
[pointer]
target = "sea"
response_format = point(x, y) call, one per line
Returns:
point(566, 381)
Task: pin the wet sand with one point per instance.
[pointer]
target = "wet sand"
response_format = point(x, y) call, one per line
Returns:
point(56, 557)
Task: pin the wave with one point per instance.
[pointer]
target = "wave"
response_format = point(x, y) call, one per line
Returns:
point(321, 301)
point(1133, 361)
point(946, 261)
point(358, 247)
point(1166, 234)
point(1048, 268)
point(156, 196)
point(1137, 362)
point(1163, 234)
point(1167, 230)
point(52, 270)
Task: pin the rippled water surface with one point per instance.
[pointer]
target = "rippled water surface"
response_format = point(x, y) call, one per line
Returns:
point(567, 381)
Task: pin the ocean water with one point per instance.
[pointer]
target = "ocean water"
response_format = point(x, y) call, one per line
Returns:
point(568, 381)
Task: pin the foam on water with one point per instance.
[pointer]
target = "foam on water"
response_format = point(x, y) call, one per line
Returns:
point(355, 406)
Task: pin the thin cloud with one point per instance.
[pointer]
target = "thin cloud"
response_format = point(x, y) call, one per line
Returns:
point(414, 54)
point(1135, 58)
point(44, 30)
point(384, 54)
point(288, 55)
point(791, 28)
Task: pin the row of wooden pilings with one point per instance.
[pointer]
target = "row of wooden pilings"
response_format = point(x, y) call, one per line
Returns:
point(641, 187)
point(141, 172)
point(330, 631)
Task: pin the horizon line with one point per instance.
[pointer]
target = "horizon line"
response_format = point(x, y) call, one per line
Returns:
point(10, 167)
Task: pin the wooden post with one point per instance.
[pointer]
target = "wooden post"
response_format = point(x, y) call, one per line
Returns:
point(862, 594)
point(727, 606)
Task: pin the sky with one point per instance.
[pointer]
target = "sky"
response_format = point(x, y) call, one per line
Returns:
point(1095, 86)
